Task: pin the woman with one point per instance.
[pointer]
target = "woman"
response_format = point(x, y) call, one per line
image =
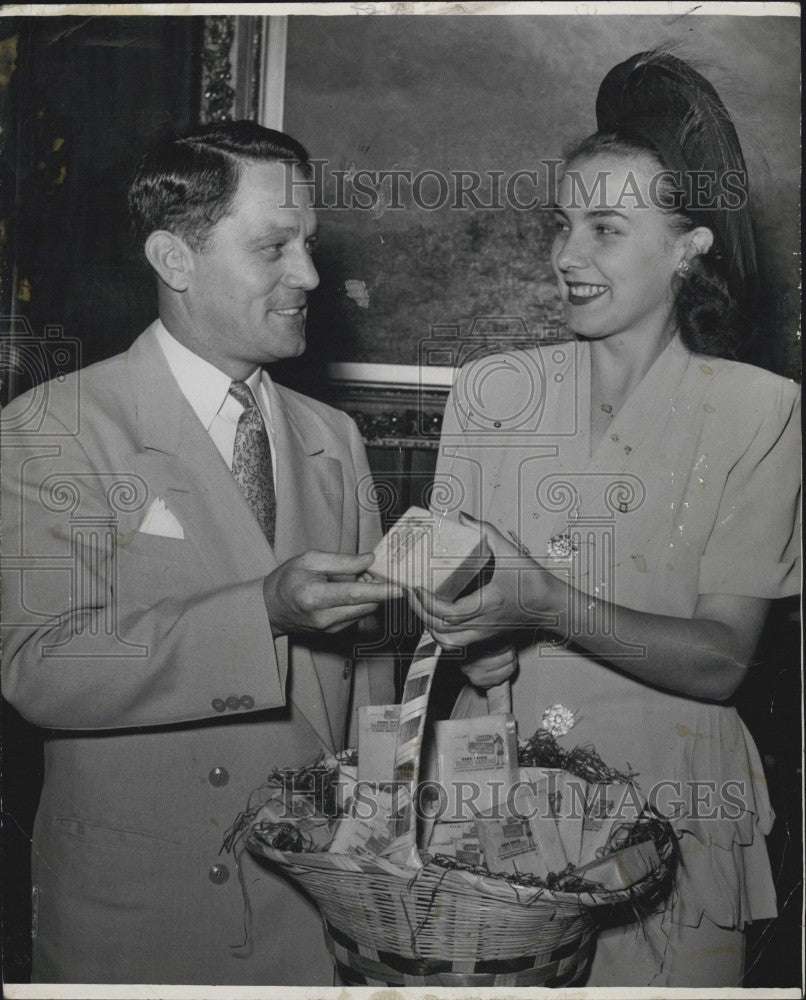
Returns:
point(640, 493)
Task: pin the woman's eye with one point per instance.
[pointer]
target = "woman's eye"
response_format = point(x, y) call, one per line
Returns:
point(560, 225)
point(607, 231)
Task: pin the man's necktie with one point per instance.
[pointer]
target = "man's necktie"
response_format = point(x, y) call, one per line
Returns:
point(251, 461)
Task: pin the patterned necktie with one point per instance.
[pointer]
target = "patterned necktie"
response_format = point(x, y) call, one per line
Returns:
point(251, 460)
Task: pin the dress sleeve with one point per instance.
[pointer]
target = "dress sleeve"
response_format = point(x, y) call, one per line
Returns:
point(754, 547)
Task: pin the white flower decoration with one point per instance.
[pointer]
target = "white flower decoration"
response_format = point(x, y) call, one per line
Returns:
point(558, 720)
point(561, 546)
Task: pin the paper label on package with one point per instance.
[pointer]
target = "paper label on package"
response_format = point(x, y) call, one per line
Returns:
point(468, 850)
point(516, 839)
point(377, 738)
point(376, 820)
point(509, 846)
point(482, 752)
point(387, 723)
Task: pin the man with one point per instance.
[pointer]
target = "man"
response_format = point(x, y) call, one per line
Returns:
point(182, 562)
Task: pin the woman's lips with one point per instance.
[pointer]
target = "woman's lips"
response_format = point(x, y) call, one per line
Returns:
point(580, 294)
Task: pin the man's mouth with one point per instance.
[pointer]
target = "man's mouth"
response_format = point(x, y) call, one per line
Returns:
point(293, 311)
point(581, 294)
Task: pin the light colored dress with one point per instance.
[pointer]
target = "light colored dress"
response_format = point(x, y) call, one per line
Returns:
point(693, 490)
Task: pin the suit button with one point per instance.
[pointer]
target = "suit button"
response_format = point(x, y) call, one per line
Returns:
point(347, 669)
point(218, 776)
point(247, 702)
point(219, 874)
point(233, 702)
point(218, 704)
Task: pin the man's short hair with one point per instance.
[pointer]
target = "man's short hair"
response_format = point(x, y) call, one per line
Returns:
point(186, 183)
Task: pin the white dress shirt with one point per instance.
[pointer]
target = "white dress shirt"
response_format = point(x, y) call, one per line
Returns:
point(207, 390)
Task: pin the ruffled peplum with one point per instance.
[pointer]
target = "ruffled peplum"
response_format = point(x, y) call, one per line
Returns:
point(696, 764)
point(725, 871)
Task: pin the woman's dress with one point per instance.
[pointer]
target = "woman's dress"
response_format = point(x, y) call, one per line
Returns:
point(692, 490)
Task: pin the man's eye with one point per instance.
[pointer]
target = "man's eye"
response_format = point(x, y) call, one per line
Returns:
point(560, 225)
point(311, 244)
point(607, 230)
point(273, 248)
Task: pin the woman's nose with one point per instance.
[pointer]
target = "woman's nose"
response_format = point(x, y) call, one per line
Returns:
point(571, 251)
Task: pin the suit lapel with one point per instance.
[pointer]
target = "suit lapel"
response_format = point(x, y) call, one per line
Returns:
point(310, 496)
point(310, 486)
point(183, 466)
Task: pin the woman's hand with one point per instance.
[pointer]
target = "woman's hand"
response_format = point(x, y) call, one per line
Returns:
point(704, 656)
point(490, 664)
point(518, 595)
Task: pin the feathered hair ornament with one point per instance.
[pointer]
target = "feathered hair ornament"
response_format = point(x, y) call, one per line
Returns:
point(657, 100)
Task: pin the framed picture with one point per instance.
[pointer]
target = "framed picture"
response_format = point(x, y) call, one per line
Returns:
point(436, 142)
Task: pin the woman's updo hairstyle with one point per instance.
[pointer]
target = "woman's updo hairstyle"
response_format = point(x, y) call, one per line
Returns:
point(656, 105)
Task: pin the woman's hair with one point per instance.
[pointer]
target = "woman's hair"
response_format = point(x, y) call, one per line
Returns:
point(655, 105)
point(186, 183)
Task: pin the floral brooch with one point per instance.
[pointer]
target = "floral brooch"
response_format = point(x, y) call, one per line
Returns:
point(561, 546)
point(558, 720)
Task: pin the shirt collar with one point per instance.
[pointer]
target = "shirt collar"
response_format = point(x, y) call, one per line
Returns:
point(204, 386)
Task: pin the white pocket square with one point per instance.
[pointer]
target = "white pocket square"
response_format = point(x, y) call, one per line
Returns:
point(160, 521)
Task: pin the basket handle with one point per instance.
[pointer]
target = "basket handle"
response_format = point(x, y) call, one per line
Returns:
point(413, 707)
point(499, 699)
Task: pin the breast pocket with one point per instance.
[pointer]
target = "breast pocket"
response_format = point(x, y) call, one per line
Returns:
point(143, 545)
point(150, 566)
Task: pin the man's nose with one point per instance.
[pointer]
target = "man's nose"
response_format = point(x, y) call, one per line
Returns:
point(301, 272)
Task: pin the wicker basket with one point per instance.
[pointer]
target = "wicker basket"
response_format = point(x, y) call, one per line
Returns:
point(435, 925)
point(387, 925)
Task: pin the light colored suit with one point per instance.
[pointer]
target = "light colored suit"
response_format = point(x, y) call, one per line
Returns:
point(167, 699)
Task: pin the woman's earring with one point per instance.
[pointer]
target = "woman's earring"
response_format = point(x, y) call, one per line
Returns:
point(683, 269)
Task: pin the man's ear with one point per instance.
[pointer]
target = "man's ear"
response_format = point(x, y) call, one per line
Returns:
point(171, 258)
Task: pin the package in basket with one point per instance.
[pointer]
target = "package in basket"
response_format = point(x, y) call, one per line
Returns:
point(375, 824)
point(622, 868)
point(564, 796)
point(607, 806)
point(377, 739)
point(471, 765)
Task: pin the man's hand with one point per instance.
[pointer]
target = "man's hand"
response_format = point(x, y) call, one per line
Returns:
point(320, 592)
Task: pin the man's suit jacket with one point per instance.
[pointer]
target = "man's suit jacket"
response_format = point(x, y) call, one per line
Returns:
point(150, 661)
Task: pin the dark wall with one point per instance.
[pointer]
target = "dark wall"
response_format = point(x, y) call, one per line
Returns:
point(87, 94)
